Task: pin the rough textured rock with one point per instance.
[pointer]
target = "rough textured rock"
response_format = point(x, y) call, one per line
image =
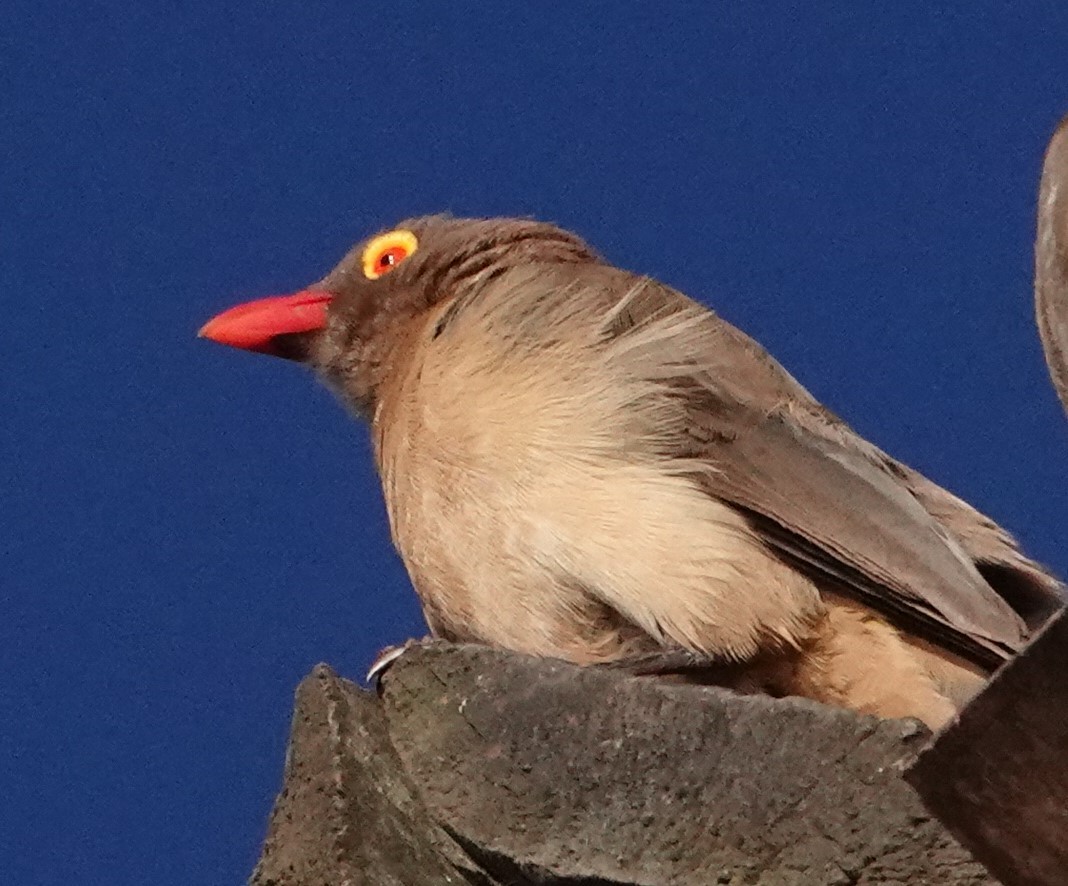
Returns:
point(347, 812)
point(998, 776)
point(482, 766)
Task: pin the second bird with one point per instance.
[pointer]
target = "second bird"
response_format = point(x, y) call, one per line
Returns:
point(583, 463)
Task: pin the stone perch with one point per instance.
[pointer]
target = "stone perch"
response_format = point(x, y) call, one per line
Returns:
point(478, 766)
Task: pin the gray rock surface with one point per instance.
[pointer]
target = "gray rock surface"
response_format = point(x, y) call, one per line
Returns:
point(475, 765)
point(347, 812)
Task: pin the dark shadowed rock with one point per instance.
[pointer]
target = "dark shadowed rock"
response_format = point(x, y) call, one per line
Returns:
point(483, 766)
point(998, 777)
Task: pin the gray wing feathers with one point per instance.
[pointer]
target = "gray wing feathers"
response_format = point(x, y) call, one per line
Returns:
point(819, 493)
point(833, 510)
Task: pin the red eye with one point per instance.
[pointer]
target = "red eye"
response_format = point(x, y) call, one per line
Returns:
point(384, 253)
point(391, 257)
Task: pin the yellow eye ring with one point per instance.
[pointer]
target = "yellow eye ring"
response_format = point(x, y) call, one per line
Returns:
point(387, 251)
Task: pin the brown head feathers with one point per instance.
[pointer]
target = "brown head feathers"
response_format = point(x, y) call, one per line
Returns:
point(451, 256)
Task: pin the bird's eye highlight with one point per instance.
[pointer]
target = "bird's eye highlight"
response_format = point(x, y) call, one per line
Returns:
point(387, 251)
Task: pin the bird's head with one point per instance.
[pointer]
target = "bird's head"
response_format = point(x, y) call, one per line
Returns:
point(344, 325)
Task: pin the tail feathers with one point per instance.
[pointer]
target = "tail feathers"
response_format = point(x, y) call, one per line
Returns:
point(1030, 589)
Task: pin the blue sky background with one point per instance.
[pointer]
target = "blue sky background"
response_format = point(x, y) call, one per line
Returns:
point(185, 530)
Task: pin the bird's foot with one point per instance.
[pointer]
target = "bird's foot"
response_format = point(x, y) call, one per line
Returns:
point(695, 668)
point(662, 662)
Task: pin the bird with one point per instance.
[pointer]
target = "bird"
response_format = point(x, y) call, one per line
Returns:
point(581, 462)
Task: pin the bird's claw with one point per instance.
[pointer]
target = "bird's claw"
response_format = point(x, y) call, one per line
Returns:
point(384, 660)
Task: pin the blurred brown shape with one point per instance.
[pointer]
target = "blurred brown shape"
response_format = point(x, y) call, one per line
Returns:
point(1051, 261)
